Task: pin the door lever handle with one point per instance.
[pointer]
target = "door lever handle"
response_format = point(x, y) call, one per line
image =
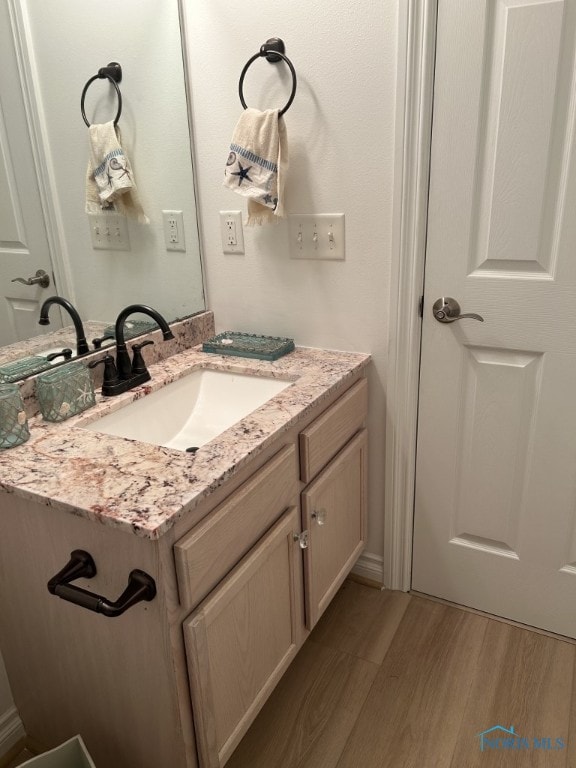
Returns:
point(41, 278)
point(447, 310)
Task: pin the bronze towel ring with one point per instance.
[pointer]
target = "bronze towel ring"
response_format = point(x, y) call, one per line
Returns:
point(113, 73)
point(273, 49)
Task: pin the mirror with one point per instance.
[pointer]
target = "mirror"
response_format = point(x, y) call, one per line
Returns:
point(48, 51)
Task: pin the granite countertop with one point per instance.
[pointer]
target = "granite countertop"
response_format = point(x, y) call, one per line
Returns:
point(142, 488)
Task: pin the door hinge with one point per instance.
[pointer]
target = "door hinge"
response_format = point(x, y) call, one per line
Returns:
point(421, 306)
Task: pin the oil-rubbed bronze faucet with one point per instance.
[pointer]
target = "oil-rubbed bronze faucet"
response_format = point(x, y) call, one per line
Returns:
point(81, 343)
point(127, 374)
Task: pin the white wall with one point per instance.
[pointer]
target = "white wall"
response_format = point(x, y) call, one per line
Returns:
point(71, 41)
point(342, 144)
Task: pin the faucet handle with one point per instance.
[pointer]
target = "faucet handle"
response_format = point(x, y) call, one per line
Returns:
point(99, 341)
point(65, 353)
point(110, 372)
point(138, 364)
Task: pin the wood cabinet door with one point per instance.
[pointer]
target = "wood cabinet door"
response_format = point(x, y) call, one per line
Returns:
point(242, 638)
point(334, 513)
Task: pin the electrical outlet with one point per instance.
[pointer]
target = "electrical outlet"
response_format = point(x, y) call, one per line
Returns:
point(109, 232)
point(173, 230)
point(230, 225)
point(231, 232)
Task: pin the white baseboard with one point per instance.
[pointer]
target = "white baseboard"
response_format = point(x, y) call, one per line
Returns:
point(11, 730)
point(370, 566)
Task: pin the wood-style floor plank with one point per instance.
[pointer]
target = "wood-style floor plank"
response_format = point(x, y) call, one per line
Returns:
point(310, 715)
point(412, 715)
point(388, 680)
point(523, 679)
point(362, 621)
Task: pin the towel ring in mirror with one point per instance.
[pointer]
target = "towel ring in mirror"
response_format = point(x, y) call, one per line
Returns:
point(112, 73)
point(273, 50)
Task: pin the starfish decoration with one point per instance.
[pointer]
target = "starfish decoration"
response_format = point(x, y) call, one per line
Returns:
point(84, 394)
point(242, 174)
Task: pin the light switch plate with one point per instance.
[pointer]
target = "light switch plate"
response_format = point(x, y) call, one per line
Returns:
point(109, 232)
point(316, 236)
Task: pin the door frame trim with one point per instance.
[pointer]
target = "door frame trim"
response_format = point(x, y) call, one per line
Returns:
point(415, 86)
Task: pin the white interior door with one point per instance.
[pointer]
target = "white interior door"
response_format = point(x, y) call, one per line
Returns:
point(495, 514)
point(24, 247)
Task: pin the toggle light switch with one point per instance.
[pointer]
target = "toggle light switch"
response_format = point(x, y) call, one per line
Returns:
point(316, 236)
point(109, 232)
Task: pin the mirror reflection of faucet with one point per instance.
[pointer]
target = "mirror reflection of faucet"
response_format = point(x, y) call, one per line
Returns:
point(125, 374)
point(81, 343)
point(97, 343)
point(65, 353)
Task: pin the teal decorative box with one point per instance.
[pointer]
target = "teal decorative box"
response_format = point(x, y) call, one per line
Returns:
point(21, 369)
point(65, 392)
point(249, 345)
point(13, 423)
point(132, 328)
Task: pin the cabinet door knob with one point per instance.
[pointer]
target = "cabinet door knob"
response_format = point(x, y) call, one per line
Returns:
point(302, 539)
point(320, 516)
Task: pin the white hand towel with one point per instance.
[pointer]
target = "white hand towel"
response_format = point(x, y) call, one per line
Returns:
point(258, 163)
point(110, 182)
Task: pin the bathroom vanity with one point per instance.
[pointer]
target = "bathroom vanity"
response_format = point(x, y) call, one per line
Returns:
point(247, 541)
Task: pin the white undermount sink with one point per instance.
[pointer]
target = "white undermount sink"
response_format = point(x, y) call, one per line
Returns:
point(191, 411)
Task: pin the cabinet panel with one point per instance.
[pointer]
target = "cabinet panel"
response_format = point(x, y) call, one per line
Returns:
point(322, 440)
point(75, 671)
point(242, 638)
point(206, 554)
point(334, 512)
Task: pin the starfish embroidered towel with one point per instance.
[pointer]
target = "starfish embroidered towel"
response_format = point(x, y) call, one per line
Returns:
point(258, 162)
point(110, 182)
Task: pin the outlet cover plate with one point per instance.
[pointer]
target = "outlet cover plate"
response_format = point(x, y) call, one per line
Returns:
point(231, 232)
point(173, 224)
point(317, 236)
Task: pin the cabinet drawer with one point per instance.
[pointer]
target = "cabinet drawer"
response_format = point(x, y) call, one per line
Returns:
point(210, 550)
point(322, 440)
